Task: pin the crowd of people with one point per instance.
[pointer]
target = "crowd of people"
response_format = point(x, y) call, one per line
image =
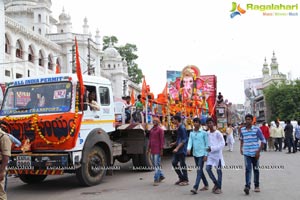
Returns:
point(278, 135)
point(206, 144)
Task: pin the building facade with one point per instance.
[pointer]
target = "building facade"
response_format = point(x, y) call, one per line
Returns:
point(35, 43)
point(255, 99)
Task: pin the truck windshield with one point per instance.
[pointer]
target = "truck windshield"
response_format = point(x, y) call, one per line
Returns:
point(38, 98)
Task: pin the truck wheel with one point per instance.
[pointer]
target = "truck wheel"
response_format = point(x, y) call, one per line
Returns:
point(135, 160)
point(31, 179)
point(92, 172)
point(143, 161)
point(124, 158)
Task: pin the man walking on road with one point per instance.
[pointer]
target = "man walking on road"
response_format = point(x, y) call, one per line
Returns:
point(215, 157)
point(156, 147)
point(266, 132)
point(180, 152)
point(277, 133)
point(250, 148)
point(198, 140)
point(288, 130)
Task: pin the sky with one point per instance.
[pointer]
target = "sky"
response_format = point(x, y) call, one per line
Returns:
point(171, 34)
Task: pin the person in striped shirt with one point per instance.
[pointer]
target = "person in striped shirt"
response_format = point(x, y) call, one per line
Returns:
point(250, 148)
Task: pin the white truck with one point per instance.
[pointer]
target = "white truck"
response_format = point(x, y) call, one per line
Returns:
point(60, 135)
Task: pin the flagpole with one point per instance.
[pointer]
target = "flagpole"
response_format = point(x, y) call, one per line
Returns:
point(146, 114)
point(168, 113)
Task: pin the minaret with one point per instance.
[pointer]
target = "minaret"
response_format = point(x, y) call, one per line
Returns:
point(265, 70)
point(85, 26)
point(274, 65)
point(2, 37)
point(98, 38)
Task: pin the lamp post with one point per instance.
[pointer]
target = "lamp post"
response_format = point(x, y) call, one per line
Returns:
point(91, 70)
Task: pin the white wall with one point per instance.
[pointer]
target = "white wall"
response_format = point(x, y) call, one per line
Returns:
point(2, 37)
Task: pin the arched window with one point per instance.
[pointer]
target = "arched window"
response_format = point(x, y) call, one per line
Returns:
point(40, 31)
point(61, 30)
point(40, 18)
point(7, 45)
point(41, 58)
point(108, 66)
point(19, 49)
point(50, 62)
point(30, 54)
point(114, 66)
point(58, 67)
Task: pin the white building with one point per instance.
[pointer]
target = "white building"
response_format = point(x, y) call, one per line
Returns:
point(270, 75)
point(35, 43)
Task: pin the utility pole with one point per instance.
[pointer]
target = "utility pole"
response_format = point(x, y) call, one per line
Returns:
point(124, 87)
point(89, 57)
point(90, 68)
point(73, 59)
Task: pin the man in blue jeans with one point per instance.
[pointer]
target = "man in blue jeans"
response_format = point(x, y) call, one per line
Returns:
point(199, 142)
point(215, 157)
point(180, 152)
point(156, 148)
point(250, 148)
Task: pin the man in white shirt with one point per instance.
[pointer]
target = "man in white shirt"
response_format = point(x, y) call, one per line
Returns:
point(215, 157)
point(277, 133)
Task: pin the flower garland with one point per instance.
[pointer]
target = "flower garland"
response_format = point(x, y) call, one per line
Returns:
point(7, 118)
point(36, 128)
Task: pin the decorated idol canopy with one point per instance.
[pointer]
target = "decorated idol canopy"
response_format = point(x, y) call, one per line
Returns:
point(191, 93)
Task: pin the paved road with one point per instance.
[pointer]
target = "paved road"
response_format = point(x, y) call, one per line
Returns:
point(282, 183)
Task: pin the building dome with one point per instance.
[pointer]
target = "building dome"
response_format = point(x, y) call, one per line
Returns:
point(64, 17)
point(111, 52)
point(47, 2)
point(19, 1)
point(11, 5)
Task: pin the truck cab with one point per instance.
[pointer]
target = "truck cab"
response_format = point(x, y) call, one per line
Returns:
point(60, 132)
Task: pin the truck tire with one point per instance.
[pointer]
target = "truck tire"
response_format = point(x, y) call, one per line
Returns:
point(93, 171)
point(32, 179)
point(124, 158)
point(143, 161)
point(135, 160)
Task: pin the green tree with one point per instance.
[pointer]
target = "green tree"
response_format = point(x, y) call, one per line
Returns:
point(128, 53)
point(283, 100)
point(107, 40)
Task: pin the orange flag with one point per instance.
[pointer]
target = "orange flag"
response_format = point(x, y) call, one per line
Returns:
point(144, 89)
point(162, 98)
point(132, 98)
point(165, 91)
point(57, 70)
point(79, 74)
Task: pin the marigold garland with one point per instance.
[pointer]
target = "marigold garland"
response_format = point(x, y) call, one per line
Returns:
point(35, 126)
point(37, 129)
